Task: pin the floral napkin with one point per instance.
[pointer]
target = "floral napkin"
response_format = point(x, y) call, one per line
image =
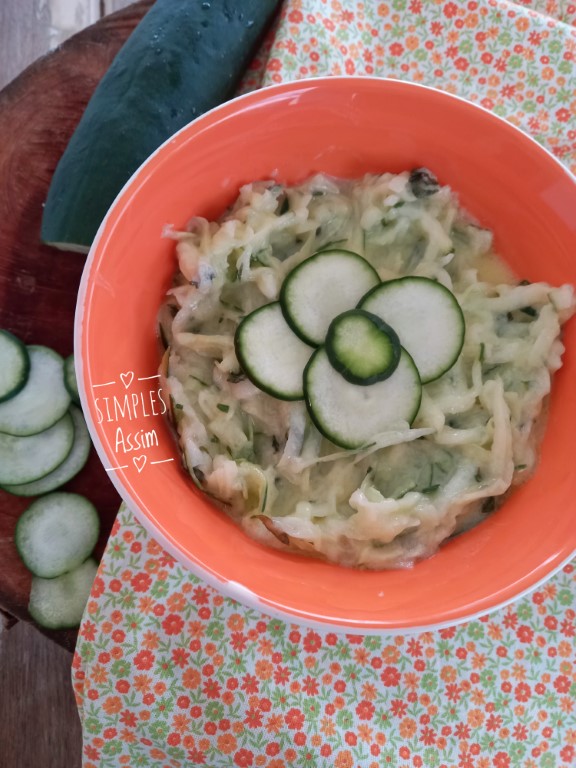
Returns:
point(170, 673)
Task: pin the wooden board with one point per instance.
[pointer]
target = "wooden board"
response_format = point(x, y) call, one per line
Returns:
point(39, 723)
point(38, 285)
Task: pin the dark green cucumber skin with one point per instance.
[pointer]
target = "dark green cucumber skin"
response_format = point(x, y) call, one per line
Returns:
point(70, 380)
point(184, 58)
point(25, 370)
point(343, 369)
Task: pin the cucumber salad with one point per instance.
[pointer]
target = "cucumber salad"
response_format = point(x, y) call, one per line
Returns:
point(353, 372)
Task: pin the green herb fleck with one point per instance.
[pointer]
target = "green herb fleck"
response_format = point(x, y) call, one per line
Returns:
point(431, 488)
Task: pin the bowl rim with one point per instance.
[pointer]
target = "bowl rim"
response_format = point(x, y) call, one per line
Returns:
point(234, 589)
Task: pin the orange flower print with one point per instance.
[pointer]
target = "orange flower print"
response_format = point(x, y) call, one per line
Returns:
point(478, 661)
point(390, 654)
point(146, 604)
point(176, 602)
point(153, 548)
point(191, 678)
point(494, 631)
point(227, 743)
point(265, 646)
point(112, 705)
point(518, 672)
point(274, 723)
point(365, 733)
point(448, 673)
point(475, 718)
point(412, 42)
point(522, 24)
point(327, 726)
point(264, 669)
point(407, 728)
point(478, 696)
point(361, 656)
point(369, 691)
point(235, 622)
point(343, 759)
point(196, 629)
point(99, 674)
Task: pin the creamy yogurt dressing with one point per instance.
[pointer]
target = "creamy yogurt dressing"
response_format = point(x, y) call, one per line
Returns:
point(394, 501)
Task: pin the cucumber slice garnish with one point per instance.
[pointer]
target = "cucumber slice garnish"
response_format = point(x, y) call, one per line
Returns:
point(57, 533)
point(42, 401)
point(59, 603)
point(350, 415)
point(271, 355)
point(69, 468)
point(24, 459)
point(70, 379)
point(322, 287)
point(14, 365)
point(427, 318)
point(362, 347)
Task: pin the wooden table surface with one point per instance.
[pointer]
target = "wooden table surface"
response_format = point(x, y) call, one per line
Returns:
point(39, 724)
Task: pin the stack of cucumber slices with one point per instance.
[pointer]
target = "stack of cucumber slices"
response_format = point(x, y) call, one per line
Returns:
point(44, 443)
point(55, 537)
point(356, 349)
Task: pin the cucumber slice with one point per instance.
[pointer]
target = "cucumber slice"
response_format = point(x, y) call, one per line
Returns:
point(362, 348)
point(427, 318)
point(42, 401)
point(70, 381)
point(270, 354)
point(14, 365)
point(57, 533)
point(24, 459)
point(322, 287)
point(59, 603)
point(350, 415)
point(69, 468)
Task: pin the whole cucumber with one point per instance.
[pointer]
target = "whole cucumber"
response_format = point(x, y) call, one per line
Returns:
point(184, 58)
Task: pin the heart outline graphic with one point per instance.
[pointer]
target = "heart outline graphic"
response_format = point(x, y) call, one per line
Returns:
point(127, 378)
point(139, 462)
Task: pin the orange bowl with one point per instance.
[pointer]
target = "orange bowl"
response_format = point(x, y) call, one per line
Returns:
point(344, 127)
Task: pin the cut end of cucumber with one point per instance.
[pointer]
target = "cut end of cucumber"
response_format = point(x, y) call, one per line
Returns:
point(65, 225)
point(69, 247)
